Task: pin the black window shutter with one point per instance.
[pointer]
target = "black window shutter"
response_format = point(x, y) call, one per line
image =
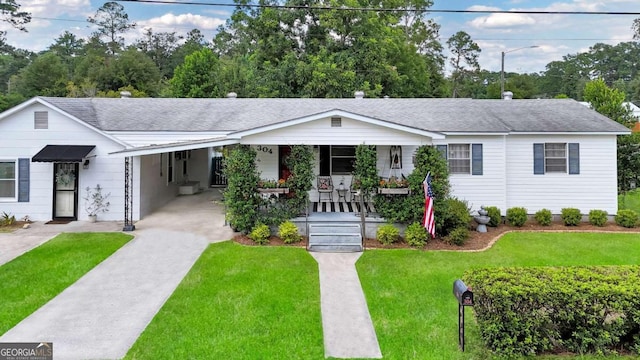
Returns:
point(443, 150)
point(476, 160)
point(23, 180)
point(538, 159)
point(574, 158)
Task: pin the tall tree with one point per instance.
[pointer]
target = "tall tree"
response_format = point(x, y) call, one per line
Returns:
point(46, 76)
point(112, 21)
point(69, 48)
point(197, 76)
point(464, 59)
point(160, 47)
point(307, 51)
point(609, 102)
point(11, 14)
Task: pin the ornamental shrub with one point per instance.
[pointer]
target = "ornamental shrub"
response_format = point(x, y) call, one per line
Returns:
point(570, 216)
point(494, 215)
point(387, 234)
point(627, 218)
point(416, 234)
point(288, 232)
point(534, 310)
point(543, 217)
point(240, 197)
point(457, 215)
point(260, 234)
point(598, 217)
point(458, 236)
point(516, 216)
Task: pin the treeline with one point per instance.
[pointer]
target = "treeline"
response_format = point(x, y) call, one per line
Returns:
point(295, 52)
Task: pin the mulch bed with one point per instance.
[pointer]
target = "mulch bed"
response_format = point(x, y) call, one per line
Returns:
point(477, 241)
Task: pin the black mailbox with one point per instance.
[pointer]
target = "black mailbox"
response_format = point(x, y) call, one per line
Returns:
point(463, 293)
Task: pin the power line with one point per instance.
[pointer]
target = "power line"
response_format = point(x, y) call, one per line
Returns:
point(375, 9)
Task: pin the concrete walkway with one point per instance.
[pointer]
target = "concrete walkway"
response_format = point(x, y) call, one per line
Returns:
point(16, 243)
point(103, 313)
point(346, 323)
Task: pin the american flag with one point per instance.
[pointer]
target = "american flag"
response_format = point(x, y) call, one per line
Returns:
point(428, 221)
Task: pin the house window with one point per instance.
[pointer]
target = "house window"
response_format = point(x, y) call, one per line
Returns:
point(342, 159)
point(459, 156)
point(8, 180)
point(463, 158)
point(555, 157)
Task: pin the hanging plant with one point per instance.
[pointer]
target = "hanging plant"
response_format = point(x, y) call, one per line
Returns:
point(65, 177)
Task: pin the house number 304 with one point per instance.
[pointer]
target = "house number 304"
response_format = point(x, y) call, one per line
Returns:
point(265, 149)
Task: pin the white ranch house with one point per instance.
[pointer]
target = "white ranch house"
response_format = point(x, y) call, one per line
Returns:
point(531, 153)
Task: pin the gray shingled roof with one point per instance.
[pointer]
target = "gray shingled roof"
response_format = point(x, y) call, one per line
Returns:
point(440, 115)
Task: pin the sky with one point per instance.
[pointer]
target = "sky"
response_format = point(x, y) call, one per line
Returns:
point(529, 41)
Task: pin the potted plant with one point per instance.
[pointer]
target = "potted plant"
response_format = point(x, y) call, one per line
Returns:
point(95, 202)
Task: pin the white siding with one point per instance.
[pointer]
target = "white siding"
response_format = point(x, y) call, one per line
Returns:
point(320, 132)
point(594, 188)
point(487, 189)
point(19, 139)
point(267, 161)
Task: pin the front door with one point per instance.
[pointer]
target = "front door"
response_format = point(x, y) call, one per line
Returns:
point(65, 191)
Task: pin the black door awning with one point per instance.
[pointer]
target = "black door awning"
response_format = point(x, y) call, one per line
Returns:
point(63, 153)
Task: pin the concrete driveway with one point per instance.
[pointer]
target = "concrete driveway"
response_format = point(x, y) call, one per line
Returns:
point(103, 313)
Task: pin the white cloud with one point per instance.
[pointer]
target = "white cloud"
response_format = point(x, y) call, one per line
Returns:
point(170, 20)
point(496, 21)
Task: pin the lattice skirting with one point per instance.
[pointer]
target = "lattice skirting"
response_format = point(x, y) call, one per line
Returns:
point(342, 206)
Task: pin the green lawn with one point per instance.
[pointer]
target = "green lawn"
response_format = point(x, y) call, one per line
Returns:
point(31, 280)
point(263, 302)
point(630, 200)
point(410, 298)
point(240, 303)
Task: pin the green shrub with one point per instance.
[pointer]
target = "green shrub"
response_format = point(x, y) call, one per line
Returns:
point(288, 232)
point(260, 234)
point(571, 216)
point(543, 217)
point(387, 234)
point(627, 218)
point(457, 215)
point(598, 217)
point(240, 196)
point(534, 310)
point(458, 236)
point(494, 215)
point(416, 234)
point(516, 216)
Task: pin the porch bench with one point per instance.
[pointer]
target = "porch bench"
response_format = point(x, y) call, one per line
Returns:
point(189, 188)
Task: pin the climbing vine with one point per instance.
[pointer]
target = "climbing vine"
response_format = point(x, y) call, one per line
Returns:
point(240, 197)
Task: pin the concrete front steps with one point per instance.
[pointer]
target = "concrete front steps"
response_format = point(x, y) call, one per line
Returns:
point(335, 237)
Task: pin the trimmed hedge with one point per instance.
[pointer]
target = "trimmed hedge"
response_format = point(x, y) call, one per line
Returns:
point(598, 217)
point(494, 215)
point(528, 311)
point(387, 234)
point(543, 217)
point(416, 235)
point(627, 218)
point(516, 216)
point(570, 216)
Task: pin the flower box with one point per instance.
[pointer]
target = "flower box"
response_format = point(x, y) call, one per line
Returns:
point(394, 191)
point(273, 190)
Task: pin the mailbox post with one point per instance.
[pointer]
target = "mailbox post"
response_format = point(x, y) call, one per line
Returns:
point(464, 295)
